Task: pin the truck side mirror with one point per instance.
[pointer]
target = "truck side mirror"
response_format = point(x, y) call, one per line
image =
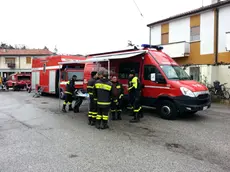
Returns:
point(191, 77)
point(160, 79)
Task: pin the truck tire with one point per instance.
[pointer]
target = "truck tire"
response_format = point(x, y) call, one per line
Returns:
point(14, 88)
point(167, 110)
point(62, 95)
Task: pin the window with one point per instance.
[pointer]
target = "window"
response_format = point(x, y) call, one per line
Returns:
point(125, 68)
point(24, 78)
point(195, 72)
point(175, 72)
point(164, 38)
point(80, 75)
point(9, 60)
point(195, 33)
point(28, 60)
point(148, 69)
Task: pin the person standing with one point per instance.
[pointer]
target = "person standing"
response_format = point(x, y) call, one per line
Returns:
point(134, 90)
point(93, 103)
point(118, 93)
point(103, 94)
point(70, 88)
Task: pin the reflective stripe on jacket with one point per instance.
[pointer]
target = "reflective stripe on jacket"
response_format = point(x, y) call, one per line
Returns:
point(90, 86)
point(117, 90)
point(103, 92)
point(134, 86)
point(70, 87)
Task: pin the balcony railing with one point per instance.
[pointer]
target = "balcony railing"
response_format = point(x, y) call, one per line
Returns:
point(177, 49)
point(11, 65)
point(227, 41)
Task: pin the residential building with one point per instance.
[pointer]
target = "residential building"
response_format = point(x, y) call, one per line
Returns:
point(19, 60)
point(199, 40)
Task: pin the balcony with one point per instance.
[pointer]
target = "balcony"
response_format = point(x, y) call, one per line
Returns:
point(177, 49)
point(11, 65)
point(227, 41)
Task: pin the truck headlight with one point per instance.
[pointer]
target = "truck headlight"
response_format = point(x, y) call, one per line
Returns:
point(185, 91)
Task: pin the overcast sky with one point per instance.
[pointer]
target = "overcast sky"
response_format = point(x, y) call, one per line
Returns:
point(84, 26)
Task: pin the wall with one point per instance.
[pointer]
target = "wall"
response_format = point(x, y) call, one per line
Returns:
point(224, 26)
point(156, 35)
point(179, 30)
point(207, 33)
point(220, 73)
point(20, 63)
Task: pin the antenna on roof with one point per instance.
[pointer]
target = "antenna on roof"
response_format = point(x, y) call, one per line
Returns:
point(138, 8)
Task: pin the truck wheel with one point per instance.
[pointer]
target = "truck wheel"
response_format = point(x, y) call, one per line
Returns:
point(167, 110)
point(14, 88)
point(62, 95)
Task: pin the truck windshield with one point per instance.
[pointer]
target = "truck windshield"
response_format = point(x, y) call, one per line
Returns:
point(175, 72)
point(24, 78)
point(79, 75)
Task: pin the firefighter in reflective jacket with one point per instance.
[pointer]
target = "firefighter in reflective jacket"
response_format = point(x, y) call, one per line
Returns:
point(69, 93)
point(92, 105)
point(118, 94)
point(103, 94)
point(134, 94)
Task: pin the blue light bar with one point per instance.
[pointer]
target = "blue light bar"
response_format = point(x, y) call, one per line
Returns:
point(158, 48)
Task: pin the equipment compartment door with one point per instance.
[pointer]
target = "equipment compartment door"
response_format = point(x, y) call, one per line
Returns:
point(35, 79)
point(52, 81)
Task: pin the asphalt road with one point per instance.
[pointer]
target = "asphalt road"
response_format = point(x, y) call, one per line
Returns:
point(35, 136)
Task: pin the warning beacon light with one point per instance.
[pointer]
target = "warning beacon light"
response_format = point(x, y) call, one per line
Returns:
point(158, 48)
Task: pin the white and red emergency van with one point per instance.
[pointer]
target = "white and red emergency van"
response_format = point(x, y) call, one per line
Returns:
point(165, 85)
point(47, 73)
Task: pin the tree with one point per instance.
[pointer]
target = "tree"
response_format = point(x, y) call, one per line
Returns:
point(45, 48)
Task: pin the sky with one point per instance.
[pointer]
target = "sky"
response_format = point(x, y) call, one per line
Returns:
point(84, 26)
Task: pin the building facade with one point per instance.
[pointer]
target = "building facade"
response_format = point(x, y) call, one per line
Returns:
point(199, 40)
point(19, 60)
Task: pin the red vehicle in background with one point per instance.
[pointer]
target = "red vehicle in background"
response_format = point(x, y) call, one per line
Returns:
point(18, 81)
point(47, 73)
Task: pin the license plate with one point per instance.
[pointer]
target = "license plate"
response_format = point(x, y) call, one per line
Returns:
point(206, 107)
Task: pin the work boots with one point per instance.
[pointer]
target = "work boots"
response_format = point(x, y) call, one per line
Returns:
point(63, 108)
point(119, 115)
point(89, 120)
point(70, 107)
point(135, 119)
point(98, 124)
point(93, 121)
point(104, 124)
point(113, 116)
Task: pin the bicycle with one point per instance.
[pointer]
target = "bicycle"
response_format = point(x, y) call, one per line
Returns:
point(219, 90)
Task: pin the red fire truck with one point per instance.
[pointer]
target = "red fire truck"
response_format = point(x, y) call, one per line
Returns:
point(18, 81)
point(47, 73)
point(165, 85)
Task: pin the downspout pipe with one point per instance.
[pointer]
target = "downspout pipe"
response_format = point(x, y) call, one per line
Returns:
point(217, 36)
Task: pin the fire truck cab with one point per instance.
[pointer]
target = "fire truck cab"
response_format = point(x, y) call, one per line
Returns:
point(47, 74)
point(165, 85)
point(18, 81)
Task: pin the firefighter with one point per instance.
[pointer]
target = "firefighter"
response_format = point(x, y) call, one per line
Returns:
point(134, 90)
point(69, 93)
point(92, 105)
point(118, 94)
point(103, 94)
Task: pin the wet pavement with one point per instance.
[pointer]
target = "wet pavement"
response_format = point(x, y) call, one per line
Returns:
point(35, 136)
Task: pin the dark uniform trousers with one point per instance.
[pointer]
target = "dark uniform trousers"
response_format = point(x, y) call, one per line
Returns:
point(68, 99)
point(92, 108)
point(92, 104)
point(116, 107)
